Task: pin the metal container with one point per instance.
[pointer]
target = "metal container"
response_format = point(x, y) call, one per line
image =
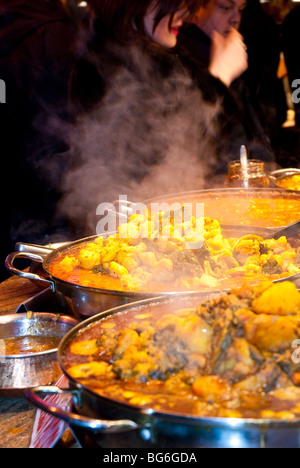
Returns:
point(82, 301)
point(21, 371)
point(111, 424)
point(277, 176)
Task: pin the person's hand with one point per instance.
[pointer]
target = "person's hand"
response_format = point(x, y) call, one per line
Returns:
point(229, 57)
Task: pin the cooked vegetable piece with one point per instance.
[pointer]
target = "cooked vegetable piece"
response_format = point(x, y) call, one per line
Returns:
point(229, 357)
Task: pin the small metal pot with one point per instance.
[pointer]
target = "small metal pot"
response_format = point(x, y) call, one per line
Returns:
point(112, 424)
point(19, 372)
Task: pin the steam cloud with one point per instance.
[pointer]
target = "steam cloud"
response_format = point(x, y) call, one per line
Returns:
point(146, 139)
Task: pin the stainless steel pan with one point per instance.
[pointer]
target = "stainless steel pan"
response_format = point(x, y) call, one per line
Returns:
point(112, 424)
point(83, 302)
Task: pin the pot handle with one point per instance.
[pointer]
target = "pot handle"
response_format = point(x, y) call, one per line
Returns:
point(122, 425)
point(9, 263)
point(33, 248)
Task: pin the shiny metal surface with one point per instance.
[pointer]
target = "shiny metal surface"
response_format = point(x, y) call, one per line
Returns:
point(145, 427)
point(22, 371)
point(276, 176)
point(83, 302)
point(80, 301)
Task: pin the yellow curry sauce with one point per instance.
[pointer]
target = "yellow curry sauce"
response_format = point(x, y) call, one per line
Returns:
point(291, 182)
point(133, 261)
point(245, 209)
point(229, 357)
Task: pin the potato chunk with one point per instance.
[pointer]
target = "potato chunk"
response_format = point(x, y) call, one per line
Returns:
point(278, 299)
point(89, 259)
point(89, 369)
point(211, 387)
point(272, 332)
point(84, 348)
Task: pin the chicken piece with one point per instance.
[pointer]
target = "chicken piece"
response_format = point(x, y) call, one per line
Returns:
point(128, 260)
point(279, 299)
point(211, 228)
point(109, 252)
point(163, 270)
point(132, 283)
point(264, 380)
point(142, 275)
point(238, 361)
point(147, 258)
point(194, 331)
point(226, 261)
point(89, 259)
point(118, 270)
point(131, 232)
point(99, 241)
point(246, 246)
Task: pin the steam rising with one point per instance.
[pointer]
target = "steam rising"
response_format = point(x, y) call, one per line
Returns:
point(147, 138)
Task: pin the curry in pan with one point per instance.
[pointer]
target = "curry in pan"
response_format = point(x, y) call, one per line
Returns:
point(147, 255)
point(235, 356)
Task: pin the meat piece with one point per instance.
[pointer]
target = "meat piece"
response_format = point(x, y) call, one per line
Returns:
point(264, 380)
point(240, 360)
point(271, 267)
point(186, 263)
point(193, 331)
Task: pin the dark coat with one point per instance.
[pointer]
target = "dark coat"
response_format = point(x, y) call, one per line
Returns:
point(238, 123)
point(36, 56)
point(147, 130)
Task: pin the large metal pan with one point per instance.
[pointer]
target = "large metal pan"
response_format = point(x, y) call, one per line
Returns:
point(83, 302)
point(112, 424)
point(80, 301)
point(234, 206)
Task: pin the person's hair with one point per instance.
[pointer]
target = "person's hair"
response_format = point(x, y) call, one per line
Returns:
point(124, 19)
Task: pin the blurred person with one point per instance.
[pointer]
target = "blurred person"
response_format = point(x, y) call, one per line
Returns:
point(144, 127)
point(262, 37)
point(36, 54)
point(218, 20)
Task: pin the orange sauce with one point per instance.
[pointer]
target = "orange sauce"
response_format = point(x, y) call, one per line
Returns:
point(258, 212)
point(291, 182)
point(29, 344)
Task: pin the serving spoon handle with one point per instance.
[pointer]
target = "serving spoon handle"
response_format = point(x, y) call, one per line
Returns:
point(293, 230)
